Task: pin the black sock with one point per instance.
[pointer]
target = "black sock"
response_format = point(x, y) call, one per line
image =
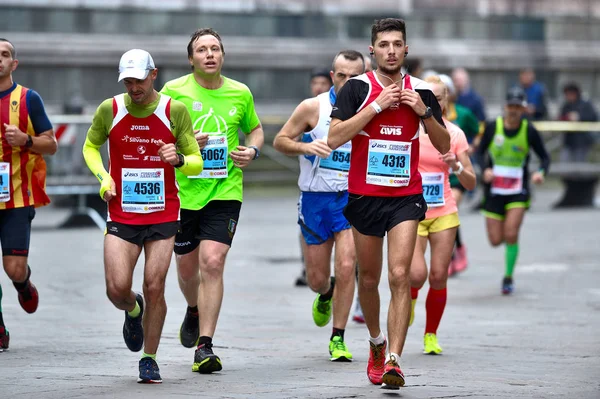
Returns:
point(329, 294)
point(338, 332)
point(1, 320)
point(205, 341)
point(458, 240)
point(21, 286)
point(193, 310)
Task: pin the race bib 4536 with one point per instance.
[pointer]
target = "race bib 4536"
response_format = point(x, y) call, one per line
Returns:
point(143, 190)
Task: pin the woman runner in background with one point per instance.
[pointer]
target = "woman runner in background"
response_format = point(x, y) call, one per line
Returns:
point(441, 220)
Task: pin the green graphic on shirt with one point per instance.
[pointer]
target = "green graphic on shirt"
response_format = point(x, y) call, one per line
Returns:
point(221, 113)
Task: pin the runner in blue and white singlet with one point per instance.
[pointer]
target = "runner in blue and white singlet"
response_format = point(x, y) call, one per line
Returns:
point(324, 175)
point(323, 183)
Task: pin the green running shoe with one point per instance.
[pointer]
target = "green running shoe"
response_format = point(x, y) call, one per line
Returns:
point(321, 311)
point(431, 346)
point(205, 361)
point(338, 350)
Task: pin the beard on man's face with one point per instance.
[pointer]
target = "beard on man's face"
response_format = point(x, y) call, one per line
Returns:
point(389, 71)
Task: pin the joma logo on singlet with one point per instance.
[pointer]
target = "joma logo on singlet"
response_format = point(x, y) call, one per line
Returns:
point(140, 127)
point(395, 130)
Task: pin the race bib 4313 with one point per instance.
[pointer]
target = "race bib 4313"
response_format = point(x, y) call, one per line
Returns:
point(389, 163)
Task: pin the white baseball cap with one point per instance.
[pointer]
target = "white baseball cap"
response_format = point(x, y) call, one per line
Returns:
point(135, 64)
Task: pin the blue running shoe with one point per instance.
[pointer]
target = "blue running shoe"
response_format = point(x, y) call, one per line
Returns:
point(507, 286)
point(133, 331)
point(149, 372)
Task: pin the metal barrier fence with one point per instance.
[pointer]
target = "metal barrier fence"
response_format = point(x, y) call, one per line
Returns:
point(69, 177)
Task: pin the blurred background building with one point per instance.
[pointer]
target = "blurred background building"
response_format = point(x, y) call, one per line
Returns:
point(69, 49)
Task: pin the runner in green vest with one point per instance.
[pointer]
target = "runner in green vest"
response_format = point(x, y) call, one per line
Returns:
point(210, 202)
point(504, 150)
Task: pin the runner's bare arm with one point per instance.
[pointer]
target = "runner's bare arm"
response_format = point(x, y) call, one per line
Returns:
point(255, 138)
point(243, 155)
point(43, 143)
point(303, 119)
point(341, 132)
point(467, 176)
point(439, 136)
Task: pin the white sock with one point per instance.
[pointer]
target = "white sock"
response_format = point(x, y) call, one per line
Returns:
point(379, 340)
point(387, 358)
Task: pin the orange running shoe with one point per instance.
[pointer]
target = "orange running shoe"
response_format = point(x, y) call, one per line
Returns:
point(375, 366)
point(393, 378)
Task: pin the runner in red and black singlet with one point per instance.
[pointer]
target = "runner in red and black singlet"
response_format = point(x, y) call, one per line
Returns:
point(381, 112)
point(149, 136)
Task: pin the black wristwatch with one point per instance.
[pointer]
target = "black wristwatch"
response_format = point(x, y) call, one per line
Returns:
point(428, 113)
point(181, 160)
point(255, 148)
point(29, 142)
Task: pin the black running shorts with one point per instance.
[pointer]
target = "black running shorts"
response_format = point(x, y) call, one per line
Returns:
point(375, 216)
point(138, 234)
point(217, 221)
point(15, 230)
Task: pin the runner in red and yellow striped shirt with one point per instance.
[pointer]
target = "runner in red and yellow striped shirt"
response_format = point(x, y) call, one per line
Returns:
point(26, 134)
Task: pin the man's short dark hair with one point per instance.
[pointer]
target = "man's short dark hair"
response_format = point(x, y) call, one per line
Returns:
point(387, 25)
point(202, 32)
point(320, 73)
point(571, 87)
point(13, 50)
point(351, 55)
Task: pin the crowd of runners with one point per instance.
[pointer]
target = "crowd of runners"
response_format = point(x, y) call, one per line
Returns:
point(381, 153)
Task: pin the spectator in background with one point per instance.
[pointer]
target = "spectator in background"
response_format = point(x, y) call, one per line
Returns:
point(368, 64)
point(577, 145)
point(320, 81)
point(536, 95)
point(466, 96)
point(414, 67)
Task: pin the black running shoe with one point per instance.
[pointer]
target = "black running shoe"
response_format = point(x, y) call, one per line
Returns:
point(149, 372)
point(507, 286)
point(133, 331)
point(189, 333)
point(205, 361)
